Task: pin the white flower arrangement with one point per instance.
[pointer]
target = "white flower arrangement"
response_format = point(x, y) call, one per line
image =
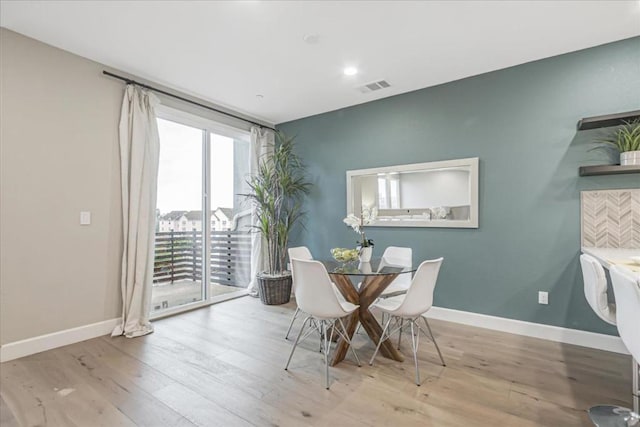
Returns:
point(367, 216)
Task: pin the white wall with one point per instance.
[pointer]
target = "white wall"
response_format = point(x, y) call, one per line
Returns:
point(369, 189)
point(431, 189)
point(59, 155)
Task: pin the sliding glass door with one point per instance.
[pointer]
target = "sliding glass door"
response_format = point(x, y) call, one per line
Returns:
point(230, 256)
point(203, 249)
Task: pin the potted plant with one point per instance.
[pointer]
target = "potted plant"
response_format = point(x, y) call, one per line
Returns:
point(276, 193)
point(626, 141)
point(365, 246)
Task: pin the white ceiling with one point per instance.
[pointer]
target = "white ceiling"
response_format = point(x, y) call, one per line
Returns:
point(229, 52)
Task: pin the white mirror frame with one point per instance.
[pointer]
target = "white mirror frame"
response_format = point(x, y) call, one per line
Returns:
point(472, 163)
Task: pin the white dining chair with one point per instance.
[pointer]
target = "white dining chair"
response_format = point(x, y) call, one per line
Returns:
point(299, 252)
point(302, 252)
point(595, 288)
point(318, 299)
point(626, 289)
point(409, 309)
point(400, 257)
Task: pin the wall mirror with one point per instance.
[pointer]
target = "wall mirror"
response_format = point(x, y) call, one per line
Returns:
point(433, 194)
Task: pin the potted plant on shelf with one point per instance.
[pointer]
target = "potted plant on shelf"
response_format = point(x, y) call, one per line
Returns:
point(626, 142)
point(276, 192)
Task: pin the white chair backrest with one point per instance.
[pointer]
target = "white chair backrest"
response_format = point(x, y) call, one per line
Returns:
point(316, 295)
point(419, 298)
point(398, 256)
point(626, 288)
point(595, 288)
point(299, 252)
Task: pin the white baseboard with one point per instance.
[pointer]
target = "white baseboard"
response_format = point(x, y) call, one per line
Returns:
point(529, 329)
point(40, 343)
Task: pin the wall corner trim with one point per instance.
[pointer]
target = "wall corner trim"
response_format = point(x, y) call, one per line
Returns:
point(529, 329)
point(17, 349)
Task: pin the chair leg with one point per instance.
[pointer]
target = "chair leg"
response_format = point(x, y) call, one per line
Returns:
point(326, 355)
point(636, 385)
point(434, 340)
point(320, 333)
point(414, 344)
point(346, 338)
point(382, 338)
point(333, 328)
point(293, 319)
point(400, 332)
point(296, 342)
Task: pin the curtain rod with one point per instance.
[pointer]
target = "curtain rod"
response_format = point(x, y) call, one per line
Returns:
point(130, 81)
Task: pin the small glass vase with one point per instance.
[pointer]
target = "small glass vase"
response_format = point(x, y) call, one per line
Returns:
point(365, 253)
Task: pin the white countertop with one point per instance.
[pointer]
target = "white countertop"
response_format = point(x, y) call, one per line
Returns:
point(610, 256)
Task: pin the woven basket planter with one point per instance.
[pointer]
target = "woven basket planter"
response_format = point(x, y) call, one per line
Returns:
point(274, 290)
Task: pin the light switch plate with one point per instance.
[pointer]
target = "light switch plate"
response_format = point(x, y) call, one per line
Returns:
point(85, 218)
point(543, 297)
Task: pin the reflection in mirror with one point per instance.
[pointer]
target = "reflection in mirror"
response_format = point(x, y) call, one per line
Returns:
point(435, 194)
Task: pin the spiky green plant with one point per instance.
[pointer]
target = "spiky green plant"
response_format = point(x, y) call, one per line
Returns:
point(626, 138)
point(276, 193)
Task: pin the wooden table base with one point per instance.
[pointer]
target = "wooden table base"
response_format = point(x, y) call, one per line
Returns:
point(370, 290)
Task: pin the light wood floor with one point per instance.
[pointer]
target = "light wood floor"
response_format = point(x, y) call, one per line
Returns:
point(223, 366)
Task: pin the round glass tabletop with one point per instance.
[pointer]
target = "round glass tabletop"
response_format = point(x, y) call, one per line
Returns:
point(377, 267)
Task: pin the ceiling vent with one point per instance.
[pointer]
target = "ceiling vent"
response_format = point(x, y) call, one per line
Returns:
point(372, 87)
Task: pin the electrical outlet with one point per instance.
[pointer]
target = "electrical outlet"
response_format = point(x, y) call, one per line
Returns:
point(543, 297)
point(85, 218)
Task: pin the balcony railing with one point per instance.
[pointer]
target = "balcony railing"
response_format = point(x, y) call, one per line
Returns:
point(179, 257)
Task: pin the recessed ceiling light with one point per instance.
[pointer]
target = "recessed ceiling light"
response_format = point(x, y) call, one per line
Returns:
point(350, 71)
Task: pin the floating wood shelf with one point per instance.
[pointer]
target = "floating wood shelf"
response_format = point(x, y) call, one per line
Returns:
point(608, 170)
point(607, 120)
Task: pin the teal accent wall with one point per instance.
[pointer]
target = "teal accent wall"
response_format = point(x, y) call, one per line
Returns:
point(521, 123)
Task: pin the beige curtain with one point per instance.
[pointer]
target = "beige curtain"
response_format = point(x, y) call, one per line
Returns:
point(139, 155)
point(262, 142)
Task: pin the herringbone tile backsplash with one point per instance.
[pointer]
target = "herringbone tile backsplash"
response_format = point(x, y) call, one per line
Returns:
point(611, 218)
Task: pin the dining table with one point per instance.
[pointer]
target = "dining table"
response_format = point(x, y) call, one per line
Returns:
point(362, 284)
